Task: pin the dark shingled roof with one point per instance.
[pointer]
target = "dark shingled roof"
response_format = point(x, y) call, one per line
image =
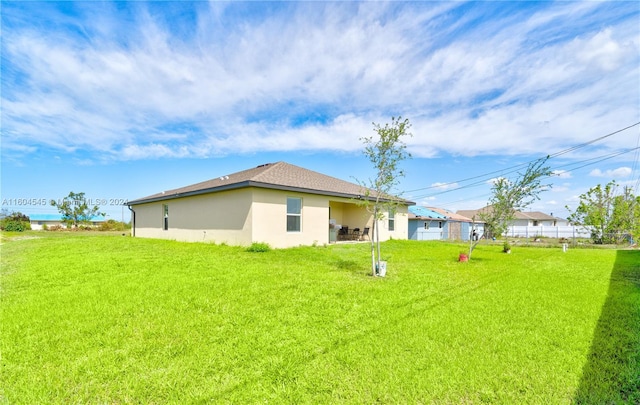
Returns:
point(279, 176)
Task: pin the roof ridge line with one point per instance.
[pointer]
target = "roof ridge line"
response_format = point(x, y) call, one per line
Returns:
point(267, 167)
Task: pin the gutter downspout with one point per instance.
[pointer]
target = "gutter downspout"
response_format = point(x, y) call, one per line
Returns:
point(133, 221)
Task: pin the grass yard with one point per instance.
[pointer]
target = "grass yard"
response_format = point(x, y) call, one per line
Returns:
point(88, 318)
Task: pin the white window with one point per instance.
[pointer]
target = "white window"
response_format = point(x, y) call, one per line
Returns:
point(294, 214)
point(392, 220)
point(165, 217)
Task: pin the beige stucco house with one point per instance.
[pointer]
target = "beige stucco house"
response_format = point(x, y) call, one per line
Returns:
point(276, 203)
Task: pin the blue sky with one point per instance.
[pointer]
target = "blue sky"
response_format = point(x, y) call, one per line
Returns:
point(125, 99)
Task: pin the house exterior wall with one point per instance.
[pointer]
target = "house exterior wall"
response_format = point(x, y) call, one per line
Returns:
point(427, 229)
point(220, 217)
point(270, 219)
point(240, 217)
point(453, 231)
point(533, 222)
point(401, 230)
point(38, 225)
point(519, 222)
point(468, 228)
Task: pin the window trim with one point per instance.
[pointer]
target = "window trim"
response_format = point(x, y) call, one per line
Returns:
point(294, 215)
point(165, 217)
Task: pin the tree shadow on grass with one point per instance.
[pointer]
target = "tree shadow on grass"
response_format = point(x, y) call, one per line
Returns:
point(612, 372)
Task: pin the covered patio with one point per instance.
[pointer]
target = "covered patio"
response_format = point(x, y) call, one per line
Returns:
point(348, 222)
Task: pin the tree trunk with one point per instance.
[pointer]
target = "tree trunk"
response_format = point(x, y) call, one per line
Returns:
point(378, 246)
point(373, 250)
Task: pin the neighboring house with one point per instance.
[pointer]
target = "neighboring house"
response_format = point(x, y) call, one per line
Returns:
point(38, 221)
point(277, 203)
point(425, 224)
point(432, 223)
point(533, 218)
point(459, 227)
point(535, 223)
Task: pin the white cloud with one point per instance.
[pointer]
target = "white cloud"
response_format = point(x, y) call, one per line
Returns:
point(612, 173)
point(599, 51)
point(445, 186)
point(313, 76)
point(427, 200)
point(563, 174)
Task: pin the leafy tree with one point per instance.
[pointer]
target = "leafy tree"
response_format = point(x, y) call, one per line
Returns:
point(14, 221)
point(75, 210)
point(611, 216)
point(626, 216)
point(385, 151)
point(509, 196)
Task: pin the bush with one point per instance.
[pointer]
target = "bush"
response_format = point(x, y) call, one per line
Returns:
point(112, 225)
point(14, 222)
point(259, 247)
point(15, 226)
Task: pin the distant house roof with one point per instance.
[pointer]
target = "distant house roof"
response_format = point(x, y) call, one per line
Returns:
point(532, 215)
point(45, 217)
point(451, 215)
point(417, 212)
point(535, 215)
point(57, 218)
point(278, 176)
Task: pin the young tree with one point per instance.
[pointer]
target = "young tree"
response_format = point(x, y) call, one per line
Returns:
point(509, 196)
point(385, 151)
point(611, 216)
point(75, 210)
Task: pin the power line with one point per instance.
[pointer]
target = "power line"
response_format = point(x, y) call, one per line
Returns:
point(591, 161)
point(598, 159)
point(582, 145)
point(516, 167)
point(522, 165)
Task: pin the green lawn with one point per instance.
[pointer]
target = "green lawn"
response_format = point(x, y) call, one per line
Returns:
point(112, 319)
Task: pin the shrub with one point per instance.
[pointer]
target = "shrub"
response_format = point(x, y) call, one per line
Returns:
point(81, 227)
point(15, 222)
point(259, 247)
point(112, 225)
point(15, 226)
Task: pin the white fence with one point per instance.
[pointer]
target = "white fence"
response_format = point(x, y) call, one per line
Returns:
point(548, 231)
